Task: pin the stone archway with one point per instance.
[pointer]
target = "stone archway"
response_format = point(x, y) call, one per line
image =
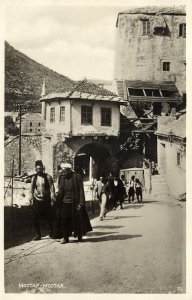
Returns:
point(92, 160)
point(102, 152)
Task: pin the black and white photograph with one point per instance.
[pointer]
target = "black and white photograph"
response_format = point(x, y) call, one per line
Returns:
point(95, 144)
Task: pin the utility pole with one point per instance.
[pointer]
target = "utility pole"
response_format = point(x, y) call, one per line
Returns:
point(19, 107)
point(12, 195)
point(19, 139)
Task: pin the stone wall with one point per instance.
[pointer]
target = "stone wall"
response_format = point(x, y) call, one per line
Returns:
point(140, 57)
point(167, 163)
point(31, 149)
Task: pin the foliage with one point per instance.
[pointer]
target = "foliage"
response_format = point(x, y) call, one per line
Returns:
point(132, 143)
point(10, 126)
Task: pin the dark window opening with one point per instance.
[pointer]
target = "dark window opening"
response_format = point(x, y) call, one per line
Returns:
point(39, 130)
point(152, 93)
point(184, 99)
point(135, 92)
point(86, 114)
point(178, 158)
point(157, 108)
point(166, 66)
point(167, 93)
point(30, 123)
point(31, 129)
point(105, 116)
point(182, 30)
point(161, 31)
point(146, 27)
point(39, 124)
point(52, 115)
point(62, 113)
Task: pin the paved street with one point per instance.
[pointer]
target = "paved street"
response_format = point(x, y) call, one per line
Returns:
point(140, 249)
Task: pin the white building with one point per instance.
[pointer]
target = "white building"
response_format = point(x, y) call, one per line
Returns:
point(172, 152)
point(82, 127)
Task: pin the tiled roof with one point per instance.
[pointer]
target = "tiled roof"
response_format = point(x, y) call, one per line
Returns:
point(177, 127)
point(32, 115)
point(84, 90)
point(93, 88)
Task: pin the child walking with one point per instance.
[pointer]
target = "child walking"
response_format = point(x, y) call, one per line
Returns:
point(138, 190)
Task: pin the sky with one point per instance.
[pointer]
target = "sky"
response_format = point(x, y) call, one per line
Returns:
point(76, 41)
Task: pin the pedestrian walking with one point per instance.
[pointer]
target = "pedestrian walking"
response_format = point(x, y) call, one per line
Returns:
point(101, 196)
point(72, 211)
point(125, 183)
point(116, 190)
point(131, 189)
point(138, 190)
point(42, 199)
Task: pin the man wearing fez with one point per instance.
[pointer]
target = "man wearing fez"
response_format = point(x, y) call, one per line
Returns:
point(71, 199)
point(42, 199)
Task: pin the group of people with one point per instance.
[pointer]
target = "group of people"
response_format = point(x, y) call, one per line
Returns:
point(134, 186)
point(111, 192)
point(65, 210)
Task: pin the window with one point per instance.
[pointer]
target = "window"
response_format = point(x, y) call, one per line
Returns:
point(62, 113)
point(182, 30)
point(135, 92)
point(166, 66)
point(146, 27)
point(30, 123)
point(52, 114)
point(167, 93)
point(39, 130)
point(178, 158)
point(105, 116)
point(31, 130)
point(86, 114)
point(152, 93)
point(39, 124)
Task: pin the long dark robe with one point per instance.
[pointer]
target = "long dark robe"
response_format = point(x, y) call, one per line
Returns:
point(115, 193)
point(80, 224)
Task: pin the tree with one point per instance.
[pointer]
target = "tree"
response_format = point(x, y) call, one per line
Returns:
point(10, 126)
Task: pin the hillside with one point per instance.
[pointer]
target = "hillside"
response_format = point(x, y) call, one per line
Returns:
point(24, 78)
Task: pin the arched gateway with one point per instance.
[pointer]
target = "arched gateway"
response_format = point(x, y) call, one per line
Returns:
point(93, 160)
point(89, 156)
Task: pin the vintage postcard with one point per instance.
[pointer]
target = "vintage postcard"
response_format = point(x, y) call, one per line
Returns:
point(96, 101)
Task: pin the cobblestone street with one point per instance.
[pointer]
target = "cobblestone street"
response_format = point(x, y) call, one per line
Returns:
point(140, 249)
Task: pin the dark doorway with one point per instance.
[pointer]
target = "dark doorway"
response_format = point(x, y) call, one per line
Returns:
point(92, 160)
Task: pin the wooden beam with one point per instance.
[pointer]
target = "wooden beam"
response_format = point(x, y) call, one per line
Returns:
point(153, 99)
point(143, 131)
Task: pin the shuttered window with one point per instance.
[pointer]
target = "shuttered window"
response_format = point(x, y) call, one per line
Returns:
point(86, 115)
point(52, 115)
point(182, 30)
point(146, 27)
point(62, 113)
point(105, 116)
